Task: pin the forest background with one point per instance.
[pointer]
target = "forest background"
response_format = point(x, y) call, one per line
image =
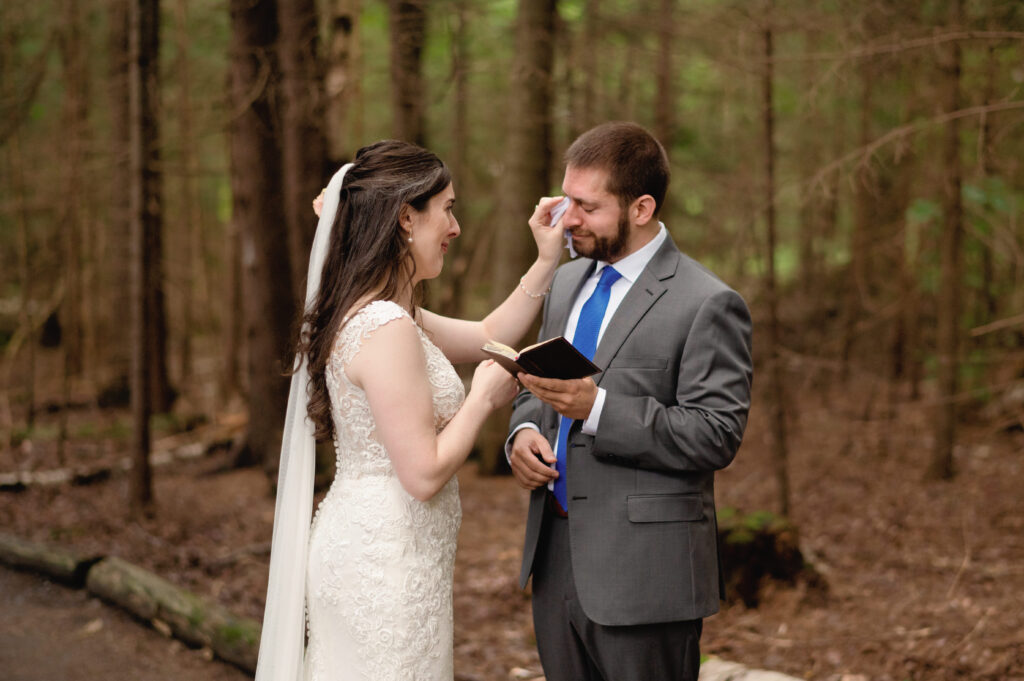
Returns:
point(853, 169)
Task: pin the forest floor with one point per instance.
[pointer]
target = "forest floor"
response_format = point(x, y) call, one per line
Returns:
point(925, 578)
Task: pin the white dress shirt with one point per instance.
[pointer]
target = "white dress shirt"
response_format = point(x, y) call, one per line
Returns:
point(630, 267)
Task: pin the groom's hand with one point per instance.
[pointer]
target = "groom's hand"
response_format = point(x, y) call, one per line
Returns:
point(531, 459)
point(573, 398)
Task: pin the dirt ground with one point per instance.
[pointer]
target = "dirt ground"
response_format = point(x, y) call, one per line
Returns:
point(926, 578)
point(50, 632)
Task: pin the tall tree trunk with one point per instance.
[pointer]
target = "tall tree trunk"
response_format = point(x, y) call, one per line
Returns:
point(529, 169)
point(302, 137)
point(856, 288)
point(117, 345)
point(528, 150)
point(142, 26)
point(341, 81)
point(590, 66)
point(74, 122)
point(951, 258)
point(814, 196)
point(269, 305)
point(625, 104)
point(148, 63)
point(454, 279)
point(72, 145)
point(989, 301)
point(192, 252)
point(26, 319)
point(780, 447)
point(408, 34)
point(912, 307)
point(665, 97)
point(231, 332)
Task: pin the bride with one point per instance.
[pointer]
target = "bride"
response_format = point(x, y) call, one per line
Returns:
point(374, 373)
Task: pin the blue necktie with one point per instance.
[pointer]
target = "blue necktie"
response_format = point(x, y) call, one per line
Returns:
point(585, 340)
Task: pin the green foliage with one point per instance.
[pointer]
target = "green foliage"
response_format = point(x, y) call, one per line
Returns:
point(758, 520)
point(39, 432)
point(239, 632)
point(923, 211)
point(196, 615)
point(742, 528)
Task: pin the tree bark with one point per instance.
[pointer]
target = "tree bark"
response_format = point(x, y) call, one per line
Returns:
point(529, 140)
point(302, 137)
point(590, 67)
point(26, 318)
point(231, 332)
point(529, 169)
point(269, 306)
point(148, 64)
point(780, 446)
point(816, 196)
point(142, 17)
point(665, 97)
point(118, 346)
point(855, 290)
point(951, 259)
point(191, 241)
point(408, 33)
point(988, 303)
point(341, 81)
point(74, 122)
point(453, 279)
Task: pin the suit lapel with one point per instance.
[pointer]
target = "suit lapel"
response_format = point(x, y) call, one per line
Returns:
point(646, 290)
point(562, 297)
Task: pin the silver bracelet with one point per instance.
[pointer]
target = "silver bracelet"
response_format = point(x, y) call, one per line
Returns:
point(530, 293)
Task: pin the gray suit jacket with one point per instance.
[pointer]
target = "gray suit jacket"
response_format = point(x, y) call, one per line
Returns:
point(676, 360)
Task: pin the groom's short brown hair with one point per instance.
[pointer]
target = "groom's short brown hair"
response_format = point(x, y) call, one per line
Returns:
point(635, 161)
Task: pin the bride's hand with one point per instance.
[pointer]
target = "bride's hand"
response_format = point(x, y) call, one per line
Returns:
point(493, 384)
point(550, 237)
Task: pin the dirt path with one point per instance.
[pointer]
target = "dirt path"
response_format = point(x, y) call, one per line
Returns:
point(50, 632)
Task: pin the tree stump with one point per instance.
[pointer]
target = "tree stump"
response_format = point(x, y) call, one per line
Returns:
point(759, 546)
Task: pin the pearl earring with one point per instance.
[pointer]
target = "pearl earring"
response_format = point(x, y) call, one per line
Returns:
point(409, 239)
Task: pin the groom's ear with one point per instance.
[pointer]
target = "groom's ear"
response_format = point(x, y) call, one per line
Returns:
point(643, 209)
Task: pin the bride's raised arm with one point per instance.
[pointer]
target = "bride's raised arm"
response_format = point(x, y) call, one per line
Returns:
point(461, 339)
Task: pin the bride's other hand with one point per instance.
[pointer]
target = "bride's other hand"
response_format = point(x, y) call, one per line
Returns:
point(492, 384)
point(550, 239)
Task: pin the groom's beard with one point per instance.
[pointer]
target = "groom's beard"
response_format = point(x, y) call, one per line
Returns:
point(605, 249)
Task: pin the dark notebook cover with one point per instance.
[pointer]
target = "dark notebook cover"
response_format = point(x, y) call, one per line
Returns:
point(553, 358)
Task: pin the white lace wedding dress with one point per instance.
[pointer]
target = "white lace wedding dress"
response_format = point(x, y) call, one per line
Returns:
point(379, 576)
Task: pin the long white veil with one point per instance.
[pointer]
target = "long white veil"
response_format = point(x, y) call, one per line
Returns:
point(283, 639)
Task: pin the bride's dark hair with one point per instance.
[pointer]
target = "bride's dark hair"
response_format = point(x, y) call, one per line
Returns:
point(368, 251)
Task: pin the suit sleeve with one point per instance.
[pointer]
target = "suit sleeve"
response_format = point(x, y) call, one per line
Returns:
point(702, 429)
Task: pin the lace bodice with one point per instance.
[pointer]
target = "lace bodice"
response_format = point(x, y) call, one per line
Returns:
point(359, 451)
point(380, 562)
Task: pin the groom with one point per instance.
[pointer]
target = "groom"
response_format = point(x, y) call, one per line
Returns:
point(621, 540)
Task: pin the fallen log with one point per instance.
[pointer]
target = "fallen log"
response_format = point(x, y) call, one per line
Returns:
point(189, 617)
point(58, 564)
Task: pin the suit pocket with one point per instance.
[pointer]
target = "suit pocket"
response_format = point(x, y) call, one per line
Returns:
point(664, 508)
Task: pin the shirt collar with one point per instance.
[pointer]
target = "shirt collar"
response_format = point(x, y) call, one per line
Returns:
point(633, 264)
